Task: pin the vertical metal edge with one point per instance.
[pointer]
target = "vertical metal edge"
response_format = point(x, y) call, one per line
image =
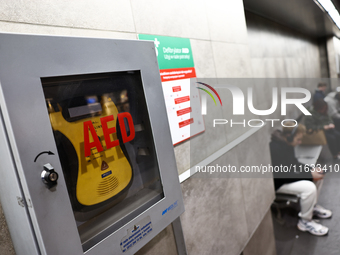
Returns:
point(179, 236)
point(11, 213)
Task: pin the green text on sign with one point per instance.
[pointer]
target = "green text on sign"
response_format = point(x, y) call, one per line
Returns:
point(172, 52)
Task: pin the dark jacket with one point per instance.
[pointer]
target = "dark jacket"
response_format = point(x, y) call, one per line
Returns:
point(283, 154)
point(318, 95)
point(317, 121)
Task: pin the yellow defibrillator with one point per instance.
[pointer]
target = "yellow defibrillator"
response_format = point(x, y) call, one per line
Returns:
point(95, 165)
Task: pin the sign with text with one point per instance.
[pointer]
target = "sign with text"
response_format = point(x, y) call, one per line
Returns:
point(176, 66)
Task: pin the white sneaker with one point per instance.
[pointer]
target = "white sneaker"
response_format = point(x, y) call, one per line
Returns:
point(312, 227)
point(321, 212)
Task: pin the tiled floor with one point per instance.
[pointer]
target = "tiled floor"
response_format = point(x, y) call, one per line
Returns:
point(291, 241)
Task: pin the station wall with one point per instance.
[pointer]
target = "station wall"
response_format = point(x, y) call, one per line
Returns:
point(223, 215)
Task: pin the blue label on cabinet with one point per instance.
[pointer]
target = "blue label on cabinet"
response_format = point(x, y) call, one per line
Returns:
point(171, 207)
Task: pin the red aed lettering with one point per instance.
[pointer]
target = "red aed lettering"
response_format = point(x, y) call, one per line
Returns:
point(128, 116)
point(107, 131)
point(96, 143)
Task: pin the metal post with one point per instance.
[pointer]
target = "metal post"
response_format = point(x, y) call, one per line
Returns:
point(179, 237)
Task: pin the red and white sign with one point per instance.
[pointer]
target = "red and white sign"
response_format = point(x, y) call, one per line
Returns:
point(183, 111)
point(186, 123)
point(176, 63)
point(177, 74)
point(182, 100)
point(176, 89)
point(183, 108)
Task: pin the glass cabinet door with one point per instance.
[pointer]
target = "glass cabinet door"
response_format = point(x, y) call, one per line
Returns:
point(105, 144)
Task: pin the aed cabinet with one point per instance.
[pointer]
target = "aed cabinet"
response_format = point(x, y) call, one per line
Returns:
point(88, 165)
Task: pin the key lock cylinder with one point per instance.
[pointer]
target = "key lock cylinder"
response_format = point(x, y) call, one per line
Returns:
point(49, 176)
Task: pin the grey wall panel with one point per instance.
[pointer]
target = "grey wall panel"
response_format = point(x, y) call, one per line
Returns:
point(227, 209)
point(262, 242)
point(6, 245)
point(105, 15)
point(258, 188)
point(279, 52)
point(163, 243)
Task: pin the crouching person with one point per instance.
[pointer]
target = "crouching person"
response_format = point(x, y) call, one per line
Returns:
point(301, 180)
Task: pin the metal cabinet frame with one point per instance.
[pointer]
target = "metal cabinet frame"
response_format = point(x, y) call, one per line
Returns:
point(41, 221)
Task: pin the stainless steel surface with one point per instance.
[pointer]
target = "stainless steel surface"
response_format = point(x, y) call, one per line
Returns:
point(28, 58)
point(304, 16)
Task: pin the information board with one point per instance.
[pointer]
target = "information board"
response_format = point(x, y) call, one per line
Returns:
point(176, 66)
